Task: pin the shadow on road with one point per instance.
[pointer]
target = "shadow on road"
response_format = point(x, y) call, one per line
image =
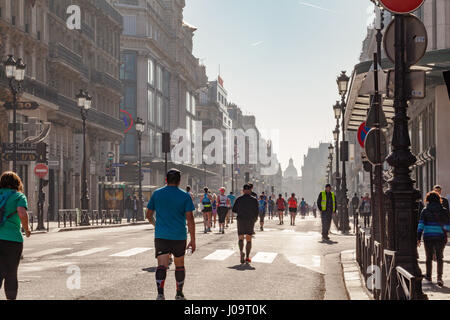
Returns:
point(151, 269)
point(242, 267)
point(329, 242)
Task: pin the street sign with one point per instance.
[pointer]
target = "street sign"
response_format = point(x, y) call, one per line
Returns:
point(415, 84)
point(20, 157)
point(25, 147)
point(53, 163)
point(402, 6)
point(416, 40)
point(22, 105)
point(41, 170)
point(362, 133)
point(371, 144)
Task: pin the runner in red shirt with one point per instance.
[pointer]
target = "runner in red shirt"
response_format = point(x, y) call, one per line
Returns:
point(281, 206)
point(292, 208)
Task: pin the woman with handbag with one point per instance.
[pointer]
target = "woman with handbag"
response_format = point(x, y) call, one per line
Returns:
point(433, 225)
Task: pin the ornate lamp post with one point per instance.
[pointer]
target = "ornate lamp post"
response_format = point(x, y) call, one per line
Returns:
point(330, 157)
point(343, 82)
point(15, 73)
point(337, 114)
point(140, 127)
point(84, 102)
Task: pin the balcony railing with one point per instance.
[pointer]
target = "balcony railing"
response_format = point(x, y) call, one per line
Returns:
point(58, 51)
point(106, 8)
point(106, 80)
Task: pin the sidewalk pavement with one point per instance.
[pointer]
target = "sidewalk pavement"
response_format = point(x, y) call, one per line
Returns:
point(357, 290)
point(53, 226)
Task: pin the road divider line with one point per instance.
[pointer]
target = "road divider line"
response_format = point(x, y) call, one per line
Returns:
point(219, 255)
point(87, 252)
point(131, 252)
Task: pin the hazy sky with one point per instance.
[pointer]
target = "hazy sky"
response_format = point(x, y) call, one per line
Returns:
point(280, 59)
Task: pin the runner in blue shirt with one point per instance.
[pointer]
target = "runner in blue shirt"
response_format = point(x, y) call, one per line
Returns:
point(230, 216)
point(173, 208)
point(262, 210)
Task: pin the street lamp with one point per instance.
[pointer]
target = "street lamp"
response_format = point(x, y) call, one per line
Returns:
point(330, 157)
point(15, 73)
point(343, 82)
point(84, 102)
point(140, 127)
point(205, 158)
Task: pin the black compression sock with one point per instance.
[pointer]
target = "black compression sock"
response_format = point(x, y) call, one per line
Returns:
point(248, 248)
point(161, 273)
point(241, 245)
point(180, 275)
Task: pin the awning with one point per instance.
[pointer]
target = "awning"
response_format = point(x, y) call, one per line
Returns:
point(434, 63)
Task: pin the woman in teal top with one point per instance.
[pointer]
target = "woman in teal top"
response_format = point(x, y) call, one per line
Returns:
point(11, 240)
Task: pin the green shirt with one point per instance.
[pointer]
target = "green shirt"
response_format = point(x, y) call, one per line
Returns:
point(10, 230)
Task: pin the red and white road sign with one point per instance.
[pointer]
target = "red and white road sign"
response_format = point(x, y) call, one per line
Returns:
point(402, 6)
point(41, 170)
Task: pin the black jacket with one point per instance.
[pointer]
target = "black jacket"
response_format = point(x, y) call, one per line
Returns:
point(246, 208)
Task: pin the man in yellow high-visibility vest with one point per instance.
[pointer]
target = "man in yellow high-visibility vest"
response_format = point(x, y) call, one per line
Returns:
point(326, 203)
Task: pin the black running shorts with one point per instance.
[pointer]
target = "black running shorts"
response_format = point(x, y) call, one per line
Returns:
point(246, 227)
point(262, 215)
point(175, 247)
point(207, 209)
point(293, 210)
point(222, 211)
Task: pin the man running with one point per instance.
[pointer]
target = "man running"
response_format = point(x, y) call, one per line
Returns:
point(262, 211)
point(303, 208)
point(281, 206)
point(207, 210)
point(223, 203)
point(173, 208)
point(292, 202)
point(232, 198)
point(271, 205)
point(246, 207)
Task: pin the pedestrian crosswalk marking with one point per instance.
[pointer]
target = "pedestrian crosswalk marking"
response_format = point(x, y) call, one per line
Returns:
point(264, 257)
point(47, 252)
point(131, 252)
point(87, 252)
point(219, 255)
point(312, 263)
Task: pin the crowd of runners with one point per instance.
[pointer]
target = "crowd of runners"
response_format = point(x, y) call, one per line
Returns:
point(217, 209)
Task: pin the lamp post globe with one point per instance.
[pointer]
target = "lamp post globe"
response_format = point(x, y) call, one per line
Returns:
point(342, 82)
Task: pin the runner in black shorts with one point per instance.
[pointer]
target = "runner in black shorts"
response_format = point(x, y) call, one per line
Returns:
point(223, 203)
point(246, 208)
point(173, 207)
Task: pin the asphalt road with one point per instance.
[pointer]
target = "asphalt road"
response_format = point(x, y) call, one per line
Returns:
point(289, 263)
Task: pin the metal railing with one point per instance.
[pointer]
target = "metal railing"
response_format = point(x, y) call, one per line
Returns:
point(406, 289)
point(73, 217)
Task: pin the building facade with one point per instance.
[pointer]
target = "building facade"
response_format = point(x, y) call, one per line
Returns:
point(60, 62)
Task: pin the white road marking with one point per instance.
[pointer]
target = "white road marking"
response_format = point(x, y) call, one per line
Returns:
point(312, 263)
point(131, 252)
point(219, 255)
point(288, 231)
point(47, 252)
point(87, 252)
point(264, 257)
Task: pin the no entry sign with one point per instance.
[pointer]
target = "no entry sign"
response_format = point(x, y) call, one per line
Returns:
point(402, 6)
point(362, 134)
point(41, 170)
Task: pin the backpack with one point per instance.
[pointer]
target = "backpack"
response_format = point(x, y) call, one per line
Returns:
point(3, 199)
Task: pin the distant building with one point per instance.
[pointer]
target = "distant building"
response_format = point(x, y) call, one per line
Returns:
point(291, 181)
point(313, 172)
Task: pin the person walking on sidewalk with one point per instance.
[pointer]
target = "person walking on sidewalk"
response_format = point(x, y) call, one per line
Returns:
point(355, 205)
point(135, 208)
point(303, 207)
point(292, 203)
point(13, 214)
point(433, 225)
point(281, 206)
point(445, 204)
point(327, 207)
point(366, 210)
point(246, 208)
point(129, 208)
point(223, 203)
point(173, 207)
point(271, 205)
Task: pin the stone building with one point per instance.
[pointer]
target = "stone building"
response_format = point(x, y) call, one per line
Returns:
point(60, 62)
point(161, 78)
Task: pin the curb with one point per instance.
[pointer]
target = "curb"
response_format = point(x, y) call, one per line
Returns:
point(94, 227)
point(353, 280)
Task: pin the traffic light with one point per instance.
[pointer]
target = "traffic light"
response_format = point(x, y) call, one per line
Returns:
point(41, 152)
point(165, 142)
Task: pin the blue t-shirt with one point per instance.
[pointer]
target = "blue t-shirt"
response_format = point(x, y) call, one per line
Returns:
point(262, 204)
point(232, 198)
point(171, 205)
